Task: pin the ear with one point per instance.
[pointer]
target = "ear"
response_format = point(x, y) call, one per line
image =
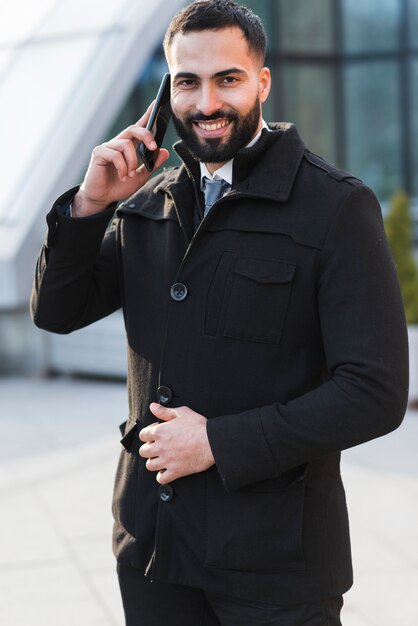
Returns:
point(264, 84)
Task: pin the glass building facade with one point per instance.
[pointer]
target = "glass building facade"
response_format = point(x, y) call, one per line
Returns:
point(346, 73)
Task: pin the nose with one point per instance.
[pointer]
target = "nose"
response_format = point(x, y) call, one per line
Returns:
point(208, 101)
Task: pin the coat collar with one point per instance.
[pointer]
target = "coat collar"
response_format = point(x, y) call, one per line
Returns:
point(267, 169)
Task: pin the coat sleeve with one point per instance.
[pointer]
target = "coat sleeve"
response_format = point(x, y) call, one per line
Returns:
point(76, 277)
point(365, 343)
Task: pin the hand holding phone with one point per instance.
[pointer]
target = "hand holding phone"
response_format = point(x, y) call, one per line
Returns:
point(157, 123)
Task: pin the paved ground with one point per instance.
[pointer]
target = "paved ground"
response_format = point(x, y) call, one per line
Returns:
point(58, 447)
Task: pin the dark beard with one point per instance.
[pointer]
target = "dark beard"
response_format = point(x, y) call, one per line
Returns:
point(214, 150)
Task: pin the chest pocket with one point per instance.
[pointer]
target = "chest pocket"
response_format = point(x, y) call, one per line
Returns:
point(256, 298)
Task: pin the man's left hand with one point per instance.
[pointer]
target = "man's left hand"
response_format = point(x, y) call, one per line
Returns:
point(177, 447)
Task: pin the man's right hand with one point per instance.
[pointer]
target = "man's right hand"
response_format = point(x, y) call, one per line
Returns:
point(113, 172)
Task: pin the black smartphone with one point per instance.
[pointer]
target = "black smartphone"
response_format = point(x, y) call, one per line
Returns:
point(157, 123)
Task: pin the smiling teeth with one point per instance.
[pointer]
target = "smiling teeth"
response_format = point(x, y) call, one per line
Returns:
point(212, 126)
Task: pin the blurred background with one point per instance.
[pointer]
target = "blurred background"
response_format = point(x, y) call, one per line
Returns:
point(73, 73)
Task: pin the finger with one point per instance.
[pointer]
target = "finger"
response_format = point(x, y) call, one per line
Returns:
point(154, 465)
point(147, 451)
point(128, 141)
point(136, 134)
point(148, 433)
point(164, 476)
point(162, 412)
point(103, 155)
point(162, 157)
point(127, 148)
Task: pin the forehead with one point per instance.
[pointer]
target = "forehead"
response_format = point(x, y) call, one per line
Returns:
point(209, 51)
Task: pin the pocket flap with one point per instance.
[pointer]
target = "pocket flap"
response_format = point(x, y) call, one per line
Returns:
point(265, 270)
point(128, 430)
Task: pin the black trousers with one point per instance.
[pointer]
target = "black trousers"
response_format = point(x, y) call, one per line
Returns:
point(160, 604)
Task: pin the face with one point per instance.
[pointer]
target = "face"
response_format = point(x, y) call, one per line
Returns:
point(217, 89)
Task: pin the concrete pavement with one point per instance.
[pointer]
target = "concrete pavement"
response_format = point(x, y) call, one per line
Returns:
point(59, 442)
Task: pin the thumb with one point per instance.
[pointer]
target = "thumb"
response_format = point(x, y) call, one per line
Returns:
point(145, 175)
point(162, 412)
point(163, 155)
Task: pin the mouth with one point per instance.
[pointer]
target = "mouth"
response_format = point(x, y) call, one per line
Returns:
point(215, 128)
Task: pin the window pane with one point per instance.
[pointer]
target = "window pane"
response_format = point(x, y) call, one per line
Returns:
point(262, 8)
point(306, 26)
point(308, 97)
point(373, 125)
point(414, 78)
point(413, 22)
point(370, 25)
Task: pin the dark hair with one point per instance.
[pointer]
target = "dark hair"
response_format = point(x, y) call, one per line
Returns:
point(216, 15)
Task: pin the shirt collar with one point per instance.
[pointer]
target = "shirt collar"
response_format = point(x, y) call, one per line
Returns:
point(225, 172)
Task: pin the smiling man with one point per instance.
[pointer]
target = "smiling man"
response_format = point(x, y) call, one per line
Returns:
point(217, 105)
point(265, 334)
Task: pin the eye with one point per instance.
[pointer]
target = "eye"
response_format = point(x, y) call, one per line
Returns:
point(187, 83)
point(229, 80)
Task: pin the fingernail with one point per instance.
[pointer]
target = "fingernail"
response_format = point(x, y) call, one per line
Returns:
point(153, 145)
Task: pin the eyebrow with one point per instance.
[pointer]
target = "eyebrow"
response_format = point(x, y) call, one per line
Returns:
point(227, 72)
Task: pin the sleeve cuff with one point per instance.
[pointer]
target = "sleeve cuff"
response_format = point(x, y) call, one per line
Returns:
point(68, 235)
point(241, 451)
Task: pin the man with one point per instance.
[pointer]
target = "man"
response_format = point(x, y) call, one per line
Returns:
point(266, 334)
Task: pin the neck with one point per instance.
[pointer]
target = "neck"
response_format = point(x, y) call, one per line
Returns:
point(212, 167)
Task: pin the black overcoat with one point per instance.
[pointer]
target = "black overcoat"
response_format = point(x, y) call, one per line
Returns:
point(281, 321)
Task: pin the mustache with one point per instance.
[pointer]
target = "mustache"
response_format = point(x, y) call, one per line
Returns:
point(200, 117)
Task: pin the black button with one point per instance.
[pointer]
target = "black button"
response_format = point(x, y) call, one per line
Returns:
point(178, 292)
point(164, 395)
point(166, 493)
